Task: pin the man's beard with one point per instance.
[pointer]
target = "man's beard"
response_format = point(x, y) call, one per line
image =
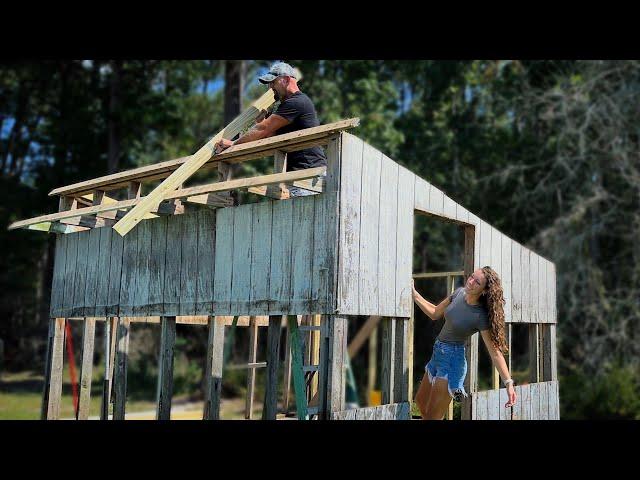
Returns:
point(276, 95)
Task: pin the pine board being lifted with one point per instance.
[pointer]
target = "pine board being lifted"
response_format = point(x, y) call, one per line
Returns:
point(151, 201)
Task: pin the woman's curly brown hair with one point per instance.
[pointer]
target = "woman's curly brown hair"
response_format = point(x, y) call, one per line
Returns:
point(493, 300)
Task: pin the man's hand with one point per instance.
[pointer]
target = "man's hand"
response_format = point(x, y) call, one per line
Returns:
point(222, 145)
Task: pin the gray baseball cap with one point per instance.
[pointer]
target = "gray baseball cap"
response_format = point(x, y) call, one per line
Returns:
point(277, 70)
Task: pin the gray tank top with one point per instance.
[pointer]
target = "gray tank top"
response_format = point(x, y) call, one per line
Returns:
point(462, 320)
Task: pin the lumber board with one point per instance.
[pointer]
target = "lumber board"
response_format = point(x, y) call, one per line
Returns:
point(387, 252)
point(241, 275)
point(261, 256)
point(188, 263)
point(206, 226)
point(223, 261)
point(247, 151)
point(196, 160)
point(181, 193)
point(302, 254)
point(157, 265)
point(404, 243)
point(368, 297)
point(349, 244)
point(280, 270)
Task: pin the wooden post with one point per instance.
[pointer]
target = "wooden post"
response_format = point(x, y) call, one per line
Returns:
point(213, 370)
point(315, 353)
point(112, 354)
point(47, 371)
point(333, 351)
point(286, 389)
point(86, 369)
point(509, 333)
point(534, 343)
point(298, 374)
point(251, 376)
point(471, 345)
point(373, 362)
point(120, 372)
point(165, 367)
point(54, 386)
point(387, 380)
point(109, 333)
point(270, 407)
point(400, 364)
point(550, 362)
point(410, 355)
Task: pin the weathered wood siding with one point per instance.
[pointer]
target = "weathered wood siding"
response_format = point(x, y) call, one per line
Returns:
point(535, 401)
point(348, 252)
point(376, 232)
point(393, 411)
point(273, 257)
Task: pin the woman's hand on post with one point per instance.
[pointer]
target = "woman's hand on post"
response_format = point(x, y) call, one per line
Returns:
point(512, 396)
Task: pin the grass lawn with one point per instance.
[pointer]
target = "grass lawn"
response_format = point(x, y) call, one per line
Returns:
point(21, 399)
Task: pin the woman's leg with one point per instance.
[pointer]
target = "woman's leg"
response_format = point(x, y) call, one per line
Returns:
point(438, 400)
point(422, 397)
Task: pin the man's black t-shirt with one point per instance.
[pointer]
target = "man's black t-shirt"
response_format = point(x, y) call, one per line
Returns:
point(299, 110)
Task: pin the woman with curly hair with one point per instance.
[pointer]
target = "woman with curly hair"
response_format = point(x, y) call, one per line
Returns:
point(476, 307)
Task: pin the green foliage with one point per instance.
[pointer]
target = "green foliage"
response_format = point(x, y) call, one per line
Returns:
point(612, 394)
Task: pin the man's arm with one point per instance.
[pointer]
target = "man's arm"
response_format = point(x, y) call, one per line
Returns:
point(266, 128)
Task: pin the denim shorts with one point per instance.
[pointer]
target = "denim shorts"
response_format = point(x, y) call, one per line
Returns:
point(449, 362)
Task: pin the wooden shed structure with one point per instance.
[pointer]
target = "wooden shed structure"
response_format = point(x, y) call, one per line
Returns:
point(345, 251)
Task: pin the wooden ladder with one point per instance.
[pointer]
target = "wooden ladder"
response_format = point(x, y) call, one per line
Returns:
point(302, 373)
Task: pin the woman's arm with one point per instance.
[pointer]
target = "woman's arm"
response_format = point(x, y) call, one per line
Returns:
point(501, 365)
point(432, 311)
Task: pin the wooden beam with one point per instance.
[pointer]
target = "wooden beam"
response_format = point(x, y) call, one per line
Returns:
point(439, 274)
point(239, 153)
point(213, 369)
point(387, 380)
point(251, 375)
point(56, 360)
point(192, 165)
point(86, 370)
point(270, 407)
point(120, 370)
point(165, 368)
point(183, 193)
point(298, 375)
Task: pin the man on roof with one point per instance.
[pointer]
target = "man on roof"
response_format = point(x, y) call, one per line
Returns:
point(295, 112)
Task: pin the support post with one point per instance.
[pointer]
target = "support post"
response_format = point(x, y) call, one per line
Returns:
point(120, 372)
point(165, 367)
point(315, 353)
point(298, 374)
point(86, 369)
point(251, 374)
point(213, 370)
point(108, 368)
point(534, 353)
point(270, 407)
point(550, 362)
point(286, 389)
point(387, 380)
point(54, 387)
point(373, 363)
point(471, 345)
point(333, 351)
point(400, 363)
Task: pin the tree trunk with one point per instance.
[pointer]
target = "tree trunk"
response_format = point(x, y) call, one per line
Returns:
point(234, 73)
point(114, 116)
